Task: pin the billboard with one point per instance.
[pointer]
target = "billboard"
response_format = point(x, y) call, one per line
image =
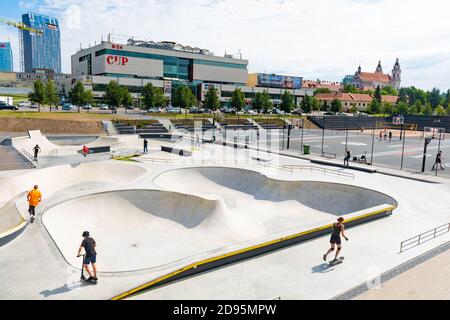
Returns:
point(279, 81)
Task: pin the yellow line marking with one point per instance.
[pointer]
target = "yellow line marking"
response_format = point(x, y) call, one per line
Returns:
point(233, 253)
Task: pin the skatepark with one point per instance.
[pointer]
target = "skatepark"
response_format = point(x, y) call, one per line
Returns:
point(202, 221)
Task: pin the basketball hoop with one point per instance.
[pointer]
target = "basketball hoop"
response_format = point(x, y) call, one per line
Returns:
point(398, 121)
point(431, 132)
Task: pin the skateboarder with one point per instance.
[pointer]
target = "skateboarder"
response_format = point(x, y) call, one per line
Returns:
point(36, 150)
point(438, 162)
point(337, 230)
point(347, 158)
point(145, 146)
point(34, 197)
point(88, 244)
point(85, 151)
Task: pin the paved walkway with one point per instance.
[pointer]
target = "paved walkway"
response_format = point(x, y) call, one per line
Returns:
point(428, 281)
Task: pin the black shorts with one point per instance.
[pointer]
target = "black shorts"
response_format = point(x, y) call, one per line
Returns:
point(31, 210)
point(335, 240)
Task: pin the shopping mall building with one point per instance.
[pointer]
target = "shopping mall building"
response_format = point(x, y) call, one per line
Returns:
point(168, 65)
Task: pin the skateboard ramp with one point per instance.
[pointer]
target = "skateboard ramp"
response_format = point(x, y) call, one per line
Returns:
point(141, 229)
point(249, 186)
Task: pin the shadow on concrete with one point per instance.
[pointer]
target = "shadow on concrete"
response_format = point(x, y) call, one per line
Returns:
point(64, 289)
point(322, 268)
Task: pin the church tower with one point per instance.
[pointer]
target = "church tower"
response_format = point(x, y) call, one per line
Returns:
point(379, 68)
point(396, 76)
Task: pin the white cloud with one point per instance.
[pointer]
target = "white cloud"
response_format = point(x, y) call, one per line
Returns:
point(324, 39)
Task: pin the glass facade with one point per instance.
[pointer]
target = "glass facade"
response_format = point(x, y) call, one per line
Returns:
point(169, 60)
point(6, 58)
point(41, 51)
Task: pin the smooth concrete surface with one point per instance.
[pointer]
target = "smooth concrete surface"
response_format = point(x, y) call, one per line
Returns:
point(208, 209)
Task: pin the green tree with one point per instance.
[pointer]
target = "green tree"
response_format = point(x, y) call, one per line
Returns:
point(315, 105)
point(88, 97)
point(287, 102)
point(374, 107)
point(51, 94)
point(402, 108)
point(322, 90)
point(237, 99)
point(417, 107)
point(353, 108)
point(113, 95)
point(336, 105)
point(38, 94)
point(349, 88)
point(325, 105)
point(440, 111)
point(403, 95)
point(212, 100)
point(77, 95)
point(305, 105)
point(387, 108)
point(148, 96)
point(427, 109)
point(377, 95)
point(184, 98)
point(434, 97)
point(257, 102)
point(127, 99)
point(160, 99)
point(266, 102)
point(389, 91)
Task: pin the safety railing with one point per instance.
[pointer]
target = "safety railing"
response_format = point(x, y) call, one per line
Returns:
point(424, 237)
point(53, 153)
point(325, 171)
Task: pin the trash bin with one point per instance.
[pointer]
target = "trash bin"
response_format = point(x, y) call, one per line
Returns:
point(306, 149)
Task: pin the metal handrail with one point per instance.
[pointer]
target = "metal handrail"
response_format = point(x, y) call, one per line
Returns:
point(338, 173)
point(424, 237)
point(28, 157)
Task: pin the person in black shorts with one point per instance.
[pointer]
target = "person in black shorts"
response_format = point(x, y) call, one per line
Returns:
point(145, 146)
point(337, 230)
point(347, 158)
point(90, 257)
point(438, 162)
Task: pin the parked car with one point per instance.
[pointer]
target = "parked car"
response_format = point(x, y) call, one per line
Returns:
point(297, 112)
point(277, 111)
point(68, 107)
point(34, 106)
point(251, 112)
point(4, 106)
point(25, 104)
point(154, 110)
point(103, 107)
point(328, 113)
point(174, 110)
point(87, 107)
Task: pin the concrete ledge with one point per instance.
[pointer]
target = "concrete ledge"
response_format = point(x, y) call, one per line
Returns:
point(255, 250)
point(368, 169)
point(160, 136)
point(180, 152)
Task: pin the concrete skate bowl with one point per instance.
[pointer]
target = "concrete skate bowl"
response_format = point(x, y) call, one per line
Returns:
point(11, 222)
point(274, 204)
point(144, 229)
point(69, 179)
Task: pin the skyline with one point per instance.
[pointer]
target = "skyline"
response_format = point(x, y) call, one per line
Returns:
point(352, 32)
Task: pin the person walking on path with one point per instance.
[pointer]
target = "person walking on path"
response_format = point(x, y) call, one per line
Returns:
point(90, 257)
point(34, 197)
point(438, 162)
point(85, 151)
point(347, 158)
point(36, 150)
point(390, 136)
point(145, 146)
point(336, 232)
point(381, 135)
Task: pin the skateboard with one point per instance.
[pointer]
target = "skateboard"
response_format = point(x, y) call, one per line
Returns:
point(338, 261)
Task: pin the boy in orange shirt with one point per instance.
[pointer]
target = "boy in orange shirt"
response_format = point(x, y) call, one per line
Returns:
point(34, 197)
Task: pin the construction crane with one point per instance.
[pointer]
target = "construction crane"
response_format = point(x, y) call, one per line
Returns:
point(21, 26)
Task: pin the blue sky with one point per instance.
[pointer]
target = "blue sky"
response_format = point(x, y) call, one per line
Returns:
point(324, 39)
